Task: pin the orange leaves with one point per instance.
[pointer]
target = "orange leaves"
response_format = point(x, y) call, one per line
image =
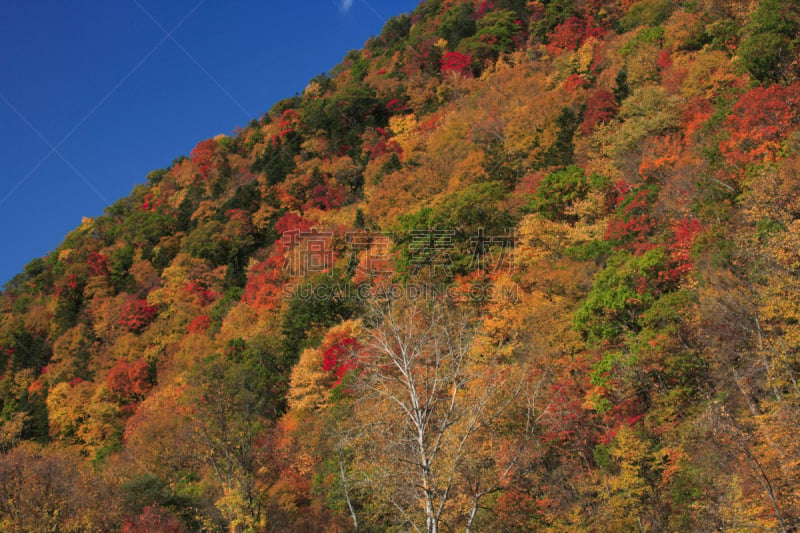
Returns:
point(759, 121)
point(264, 286)
point(131, 381)
point(570, 34)
point(660, 156)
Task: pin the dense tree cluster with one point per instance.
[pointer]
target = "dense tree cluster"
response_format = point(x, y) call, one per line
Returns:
point(514, 266)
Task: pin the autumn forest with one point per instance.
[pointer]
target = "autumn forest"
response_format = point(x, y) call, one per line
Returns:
point(513, 266)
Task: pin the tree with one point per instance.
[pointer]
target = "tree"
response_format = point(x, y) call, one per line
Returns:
point(428, 419)
point(770, 44)
point(230, 401)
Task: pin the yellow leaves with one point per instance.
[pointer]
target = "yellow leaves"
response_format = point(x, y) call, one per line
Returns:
point(406, 133)
point(467, 171)
point(64, 254)
point(184, 173)
point(244, 321)
point(541, 238)
point(584, 56)
point(66, 409)
point(205, 211)
point(309, 385)
point(503, 322)
point(236, 509)
point(708, 73)
point(627, 489)
point(313, 90)
point(155, 436)
point(683, 28)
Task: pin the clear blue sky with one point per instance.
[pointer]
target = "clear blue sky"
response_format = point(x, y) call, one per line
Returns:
point(107, 85)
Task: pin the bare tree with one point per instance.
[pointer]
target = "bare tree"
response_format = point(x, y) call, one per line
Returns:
point(427, 409)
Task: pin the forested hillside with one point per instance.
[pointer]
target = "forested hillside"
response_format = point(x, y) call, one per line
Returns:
point(513, 266)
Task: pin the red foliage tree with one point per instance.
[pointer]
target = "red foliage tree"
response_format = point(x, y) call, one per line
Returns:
point(600, 108)
point(326, 195)
point(421, 58)
point(151, 202)
point(135, 314)
point(759, 121)
point(573, 82)
point(203, 157)
point(384, 145)
point(292, 222)
point(200, 324)
point(70, 289)
point(633, 225)
point(571, 33)
point(396, 106)
point(335, 359)
point(457, 63)
point(289, 122)
point(203, 295)
point(131, 381)
point(97, 264)
point(680, 261)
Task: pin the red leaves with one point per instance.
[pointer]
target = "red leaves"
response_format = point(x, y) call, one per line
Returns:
point(70, 288)
point(685, 231)
point(600, 108)
point(36, 388)
point(571, 33)
point(384, 145)
point(131, 381)
point(335, 359)
point(203, 157)
point(151, 203)
point(664, 60)
point(327, 195)
point(484, 7)
point(759, 121)
point(200, 324)
point(457, 63)
point(631, 228)
point(98, 264)
point(292, 222)
point(290, 121)
point(195, 288)
point(396, 106)
point(573, 82)
point(136, 314)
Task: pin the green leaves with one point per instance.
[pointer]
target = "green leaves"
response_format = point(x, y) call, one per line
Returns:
point(621, 293)
point(561, 189)
point(769, 46)
point(444, 237)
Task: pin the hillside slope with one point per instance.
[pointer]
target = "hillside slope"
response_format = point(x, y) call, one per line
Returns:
point(513, 266)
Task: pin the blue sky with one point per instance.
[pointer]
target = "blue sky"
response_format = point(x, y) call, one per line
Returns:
point(95, 94)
